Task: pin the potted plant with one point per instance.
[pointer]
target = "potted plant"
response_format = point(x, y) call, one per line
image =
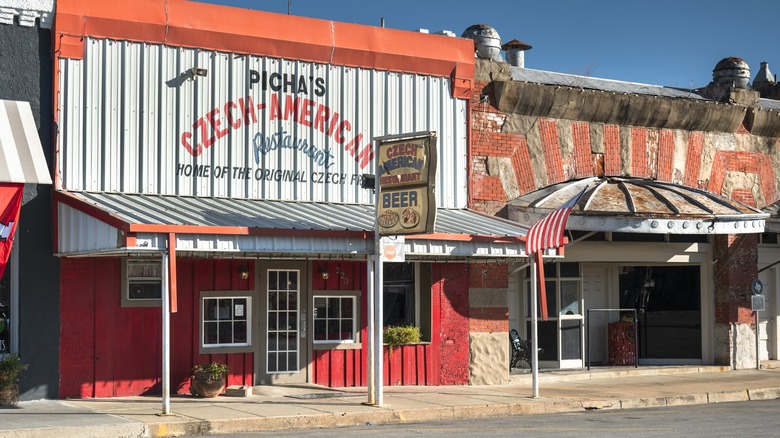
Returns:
point(401, 335)
point(11, 368)
point(208, 379)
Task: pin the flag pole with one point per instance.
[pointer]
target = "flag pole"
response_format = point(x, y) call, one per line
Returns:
point(534, 337)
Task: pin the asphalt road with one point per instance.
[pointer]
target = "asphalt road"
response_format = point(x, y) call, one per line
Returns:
point(742, 419)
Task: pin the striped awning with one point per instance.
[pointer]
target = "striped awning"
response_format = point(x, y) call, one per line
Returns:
point(21, 153)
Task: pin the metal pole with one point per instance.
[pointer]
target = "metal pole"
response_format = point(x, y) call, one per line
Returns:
point(758, 348)
point(166, 338)
point(636, 340)
point(378, 333)
point(371, 329)
point(534, 339)
point(587, 337)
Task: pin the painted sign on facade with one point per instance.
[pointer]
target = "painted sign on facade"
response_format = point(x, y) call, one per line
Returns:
point(406, 172)
point(148, 118)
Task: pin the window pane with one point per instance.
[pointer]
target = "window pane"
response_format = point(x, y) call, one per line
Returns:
point(273, 280)
point(209, 310)
point(570, 269)
point(571, 347)
point(570, 298)
point(283, 301)
point(293, 280)
point(347, 305)
point(283, 280)
point(272, 358)
point(319, 330)
point(240, 309)
point(292, 342)
point(225, 332)
point(273, 300)
point(282, 346)
point(334, 329)
point(320, 304)
point(272, 324)
point(292, 361)
point(550, 270)
point(347, 330)
point(552, 302)
point(334, 310)
point(240, 333)
point(210, 333)
point(225, 310)
point(282, 320)
point(292, 321)
point(272, 344)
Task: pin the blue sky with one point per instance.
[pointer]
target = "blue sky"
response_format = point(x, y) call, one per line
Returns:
point(662, 42)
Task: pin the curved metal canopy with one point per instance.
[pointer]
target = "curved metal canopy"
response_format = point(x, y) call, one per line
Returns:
point(637, 205)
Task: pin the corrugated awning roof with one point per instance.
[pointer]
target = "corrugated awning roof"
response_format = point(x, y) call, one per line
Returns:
point(94, 222)
point(21, 153)
point(637, 205)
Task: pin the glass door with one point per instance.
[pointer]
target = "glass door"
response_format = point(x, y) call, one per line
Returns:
point(284, 350)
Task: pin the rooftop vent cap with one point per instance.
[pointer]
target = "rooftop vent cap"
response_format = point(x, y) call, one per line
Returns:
point(515, 52)
point(487, 43)
point(764, 75)
point(733, 72)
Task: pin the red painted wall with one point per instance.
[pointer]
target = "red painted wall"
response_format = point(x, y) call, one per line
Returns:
point(412, 364)
point(110, 351)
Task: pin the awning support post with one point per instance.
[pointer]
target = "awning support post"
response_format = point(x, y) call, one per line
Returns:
point(166, 338)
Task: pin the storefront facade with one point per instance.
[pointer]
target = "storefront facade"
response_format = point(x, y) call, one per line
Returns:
point(236, 148)
point(29, 285)
point(688, 274)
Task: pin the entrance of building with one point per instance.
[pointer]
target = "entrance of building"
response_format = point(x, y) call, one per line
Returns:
point(668, 304)
point(284, 352)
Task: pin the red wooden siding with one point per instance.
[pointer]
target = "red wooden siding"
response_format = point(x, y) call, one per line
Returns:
point(109, 351)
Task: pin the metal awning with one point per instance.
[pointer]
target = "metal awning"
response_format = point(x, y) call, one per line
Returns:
point(91, 223)
point(21, 153)
point(637, 205)
point(773, 222)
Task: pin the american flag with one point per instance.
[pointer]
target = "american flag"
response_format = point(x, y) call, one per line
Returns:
point(548, 232)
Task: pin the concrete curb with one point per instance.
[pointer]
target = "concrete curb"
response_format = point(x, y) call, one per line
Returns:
point(391, 416)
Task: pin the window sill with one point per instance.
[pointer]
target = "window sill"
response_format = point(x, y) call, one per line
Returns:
point(338, 346)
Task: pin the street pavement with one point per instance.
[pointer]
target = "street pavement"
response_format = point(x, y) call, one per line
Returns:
point(311, 406)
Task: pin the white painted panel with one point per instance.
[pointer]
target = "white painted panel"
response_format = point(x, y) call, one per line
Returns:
point(765, 318)
point(595, 293)
point(253, 127)
point(79, 233)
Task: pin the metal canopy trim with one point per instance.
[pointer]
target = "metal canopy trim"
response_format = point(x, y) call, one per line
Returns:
point(637, 205)
point(263, 228)
point(21, 153)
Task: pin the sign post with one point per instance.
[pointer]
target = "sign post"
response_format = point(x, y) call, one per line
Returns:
point(757, 304)
point(404, 204)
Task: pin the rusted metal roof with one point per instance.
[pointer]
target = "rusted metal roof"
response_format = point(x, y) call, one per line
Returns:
point(773, 221)
point(637, 205)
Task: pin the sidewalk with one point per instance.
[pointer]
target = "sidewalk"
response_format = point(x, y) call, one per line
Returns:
point(308, 406)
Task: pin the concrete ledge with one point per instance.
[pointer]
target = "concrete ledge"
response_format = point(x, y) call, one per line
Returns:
point(729, 396)
point(687, 399)
point(651, 402)
point(764, 394)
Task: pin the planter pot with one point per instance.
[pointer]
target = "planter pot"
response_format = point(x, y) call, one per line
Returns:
point(207, 384)
point(9, 396)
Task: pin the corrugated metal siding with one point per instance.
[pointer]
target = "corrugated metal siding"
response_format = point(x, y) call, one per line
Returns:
point(78, 230)
point(125, 108)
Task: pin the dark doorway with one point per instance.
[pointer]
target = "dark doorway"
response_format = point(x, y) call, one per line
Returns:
point(668, 304)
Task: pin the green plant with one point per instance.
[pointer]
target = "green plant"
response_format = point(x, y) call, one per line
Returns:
point(401, 335)
point(217, 368)
point(11, 368)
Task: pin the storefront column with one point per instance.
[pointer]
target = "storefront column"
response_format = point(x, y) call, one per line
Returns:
point(488, 324)
point(736, 266)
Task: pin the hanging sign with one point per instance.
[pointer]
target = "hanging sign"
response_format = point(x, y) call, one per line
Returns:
point(406, 171)
point(393, 249)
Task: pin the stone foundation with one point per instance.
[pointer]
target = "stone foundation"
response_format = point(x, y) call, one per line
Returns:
point(735, 346)
point(489, 358)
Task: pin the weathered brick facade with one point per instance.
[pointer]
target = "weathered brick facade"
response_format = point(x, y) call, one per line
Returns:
point(725, 159)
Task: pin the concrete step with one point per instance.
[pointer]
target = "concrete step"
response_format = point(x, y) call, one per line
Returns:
point(524, 376)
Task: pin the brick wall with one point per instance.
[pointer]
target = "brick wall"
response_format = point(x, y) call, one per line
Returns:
point(735, 269)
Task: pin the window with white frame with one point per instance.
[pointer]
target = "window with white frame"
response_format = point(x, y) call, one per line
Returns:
point(336, 316)
point(226, 321)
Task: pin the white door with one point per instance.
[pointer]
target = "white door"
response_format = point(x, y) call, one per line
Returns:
point(594, 289)
point(765, 331)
